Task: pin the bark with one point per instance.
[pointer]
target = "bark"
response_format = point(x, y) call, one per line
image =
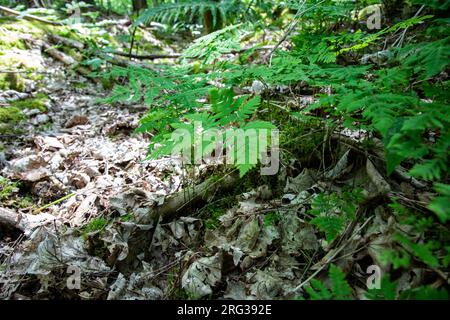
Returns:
point(138, 5)
point(10, 219)
point(65, 41)
point(191, 196)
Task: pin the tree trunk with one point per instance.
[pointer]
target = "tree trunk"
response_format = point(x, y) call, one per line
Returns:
point(138, 5)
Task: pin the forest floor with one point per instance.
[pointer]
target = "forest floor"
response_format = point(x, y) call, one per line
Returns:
point(86, 201)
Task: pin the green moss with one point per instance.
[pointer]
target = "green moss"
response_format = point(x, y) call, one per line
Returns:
point(24, 202)
point(10, 114)
point(127, 217)
point(96, 224)
point(8, 42)
point(7, 188)
point(39, 102)
point(9, 117)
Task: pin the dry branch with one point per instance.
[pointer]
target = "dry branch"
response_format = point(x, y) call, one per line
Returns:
point(29, 17)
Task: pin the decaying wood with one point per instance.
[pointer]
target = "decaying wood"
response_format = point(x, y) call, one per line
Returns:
point(377, 179)
point(58, 55)
point(10, 219)
point(23, 222)
point(402, 174)
point(64, 58)
point(66, 41)
point(174, 204)
point(29, 17)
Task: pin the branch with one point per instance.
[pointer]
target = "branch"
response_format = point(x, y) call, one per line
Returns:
point(29, 17)
point(178, 55)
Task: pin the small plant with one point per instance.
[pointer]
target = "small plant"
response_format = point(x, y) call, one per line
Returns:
point(339, 287)
point(97, 224)
point(213, 221)
point(271, 219)
point(7, 188)
point(333, 211)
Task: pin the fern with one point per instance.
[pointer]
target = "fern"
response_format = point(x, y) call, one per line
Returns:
point(192, 11)
point(439, 205)
point(210, 47)
point(421, 251)
point(387, 290)
point(340, 289)
point(334, 211)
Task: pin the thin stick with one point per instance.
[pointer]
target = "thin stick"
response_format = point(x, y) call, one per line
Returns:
point(329, 259)
point(292, 27)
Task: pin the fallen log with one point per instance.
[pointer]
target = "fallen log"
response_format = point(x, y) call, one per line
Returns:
point(25, 223)
point(66, 41)
point(11, 219)
point(178, 55)
point(205, 191)
point(174, 206)
point(58, 55)
point(66, 59)
point(29, 16)
point(148, 56)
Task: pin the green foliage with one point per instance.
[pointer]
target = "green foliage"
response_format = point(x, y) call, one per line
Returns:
point(340, 289)
point(393, 85)
point(220, 12)
point(333, 211)
point(7, 188)
point(440, 204)
point(433, 252)
point(39, 102)
point(96, 224)
point(212, 46)
point(213, 221)
point(389, 291)
point(271, 219)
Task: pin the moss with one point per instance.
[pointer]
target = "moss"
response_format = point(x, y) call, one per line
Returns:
point(16, 81)
point(34, 28)
point(24, 202)
point(96, 224)
point(73, 53)
point(39, 102)
point(23, 60)
point(10, 114)
point(127, 217)
point(9, 41)
point(9, 117)
point(7, 188)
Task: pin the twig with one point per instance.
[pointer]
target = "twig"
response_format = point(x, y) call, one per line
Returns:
point(399, 42)
point(292, 27)
point(331, 258)
point(54, 202)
